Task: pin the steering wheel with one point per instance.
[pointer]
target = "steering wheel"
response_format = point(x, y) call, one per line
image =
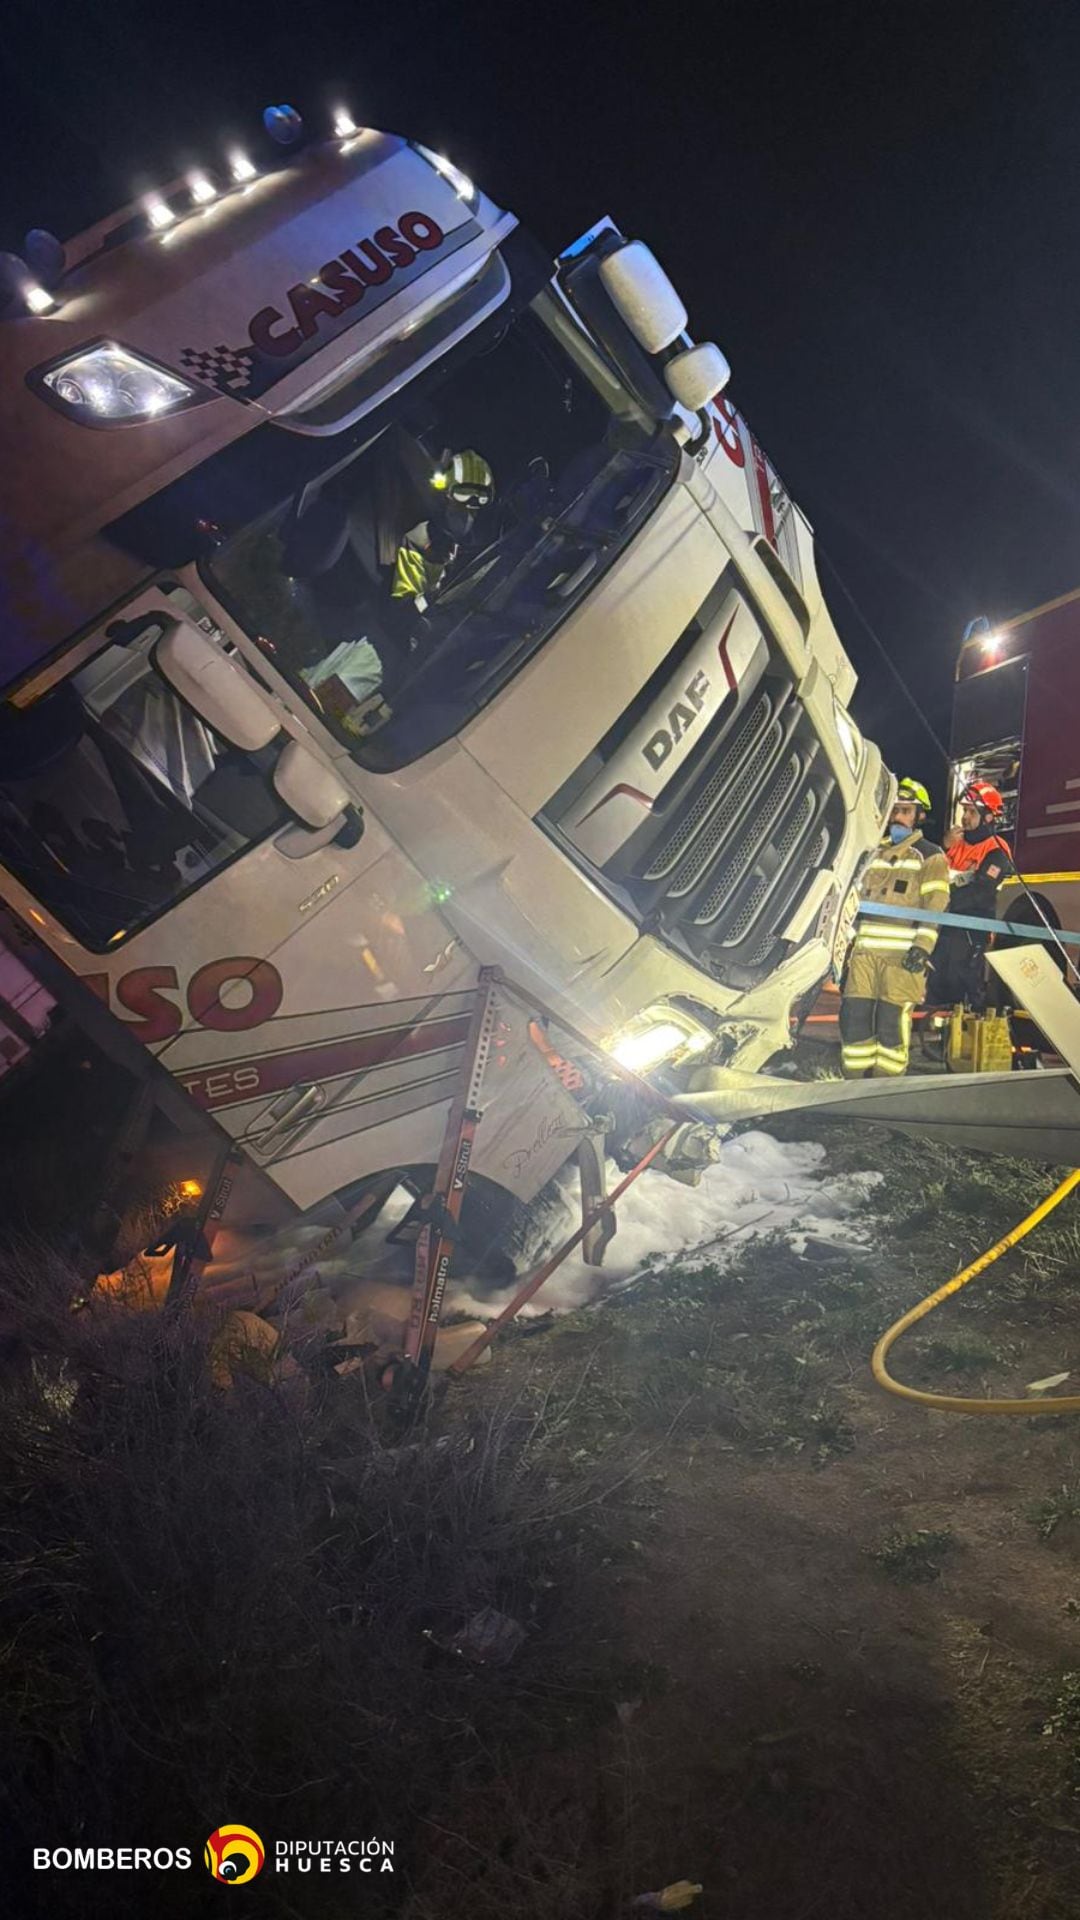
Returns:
point(464, 576)
point(532, 492)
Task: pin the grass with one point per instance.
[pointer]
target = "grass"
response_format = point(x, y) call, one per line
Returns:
point(1062, 1724)
point(1061, 1506)
point(959, 1353)
point(913, 1558)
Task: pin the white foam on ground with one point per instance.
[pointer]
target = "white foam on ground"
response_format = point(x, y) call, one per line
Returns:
point(758, 1186)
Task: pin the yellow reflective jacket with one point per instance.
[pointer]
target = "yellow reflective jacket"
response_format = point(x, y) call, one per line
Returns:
point(416, 571)
point(908, 873)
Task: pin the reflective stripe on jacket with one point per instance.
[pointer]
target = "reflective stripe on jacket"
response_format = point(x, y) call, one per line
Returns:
point(914, 873)
point(414, 574)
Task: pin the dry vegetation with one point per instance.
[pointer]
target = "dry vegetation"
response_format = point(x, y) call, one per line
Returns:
point(810, 1647)
point(229, 1605)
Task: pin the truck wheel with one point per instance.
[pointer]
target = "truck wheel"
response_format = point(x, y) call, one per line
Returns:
point(493, 1223)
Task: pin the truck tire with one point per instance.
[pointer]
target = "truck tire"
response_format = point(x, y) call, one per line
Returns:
point(493, 1223)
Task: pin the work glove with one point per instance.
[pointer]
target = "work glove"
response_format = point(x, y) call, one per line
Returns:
point(916, 960)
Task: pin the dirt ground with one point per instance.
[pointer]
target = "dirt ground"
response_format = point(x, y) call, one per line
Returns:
point(839, 1636)
point(788, 1638)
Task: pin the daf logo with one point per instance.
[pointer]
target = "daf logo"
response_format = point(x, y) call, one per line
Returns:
point(679, 721)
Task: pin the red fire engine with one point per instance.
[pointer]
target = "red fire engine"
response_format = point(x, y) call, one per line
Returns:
point(1015, 725)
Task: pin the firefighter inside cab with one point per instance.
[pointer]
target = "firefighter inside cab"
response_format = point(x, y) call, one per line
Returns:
point(890, 956)
point(980, 858)
point(424, 520)
point(462, 485)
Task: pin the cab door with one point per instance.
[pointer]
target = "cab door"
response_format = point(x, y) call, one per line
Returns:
point(303, 990)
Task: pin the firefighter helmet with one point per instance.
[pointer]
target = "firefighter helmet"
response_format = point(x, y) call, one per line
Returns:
point(467, 478)
point(979, 793)
point(912, 792)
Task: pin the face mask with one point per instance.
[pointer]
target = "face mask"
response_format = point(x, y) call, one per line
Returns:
point(897, 832)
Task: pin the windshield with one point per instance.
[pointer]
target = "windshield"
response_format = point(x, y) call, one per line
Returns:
point(116, 800)
point(402, 586)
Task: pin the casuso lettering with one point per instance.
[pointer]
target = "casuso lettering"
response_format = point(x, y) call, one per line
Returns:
point(342, 282)
point(144, 991)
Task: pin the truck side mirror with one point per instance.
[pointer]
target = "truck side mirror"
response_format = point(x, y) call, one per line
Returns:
point(697, 375)
point(214, 686)
point(642, 293)
point(309, 790)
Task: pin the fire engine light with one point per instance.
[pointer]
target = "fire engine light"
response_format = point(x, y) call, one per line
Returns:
point(202, 189)
point(344, 124)
point(991, 645)
point(159, 213)
point(241, 167)
point(460, 182)
point(107, 385)
point(38, 299)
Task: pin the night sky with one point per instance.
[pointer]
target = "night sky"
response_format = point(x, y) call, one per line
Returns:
point(874, 210)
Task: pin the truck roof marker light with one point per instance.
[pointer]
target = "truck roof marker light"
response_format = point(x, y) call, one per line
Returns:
point(159, 213)
point(39, 299)
point(461, 183)
point(202, 189)
point(283, 124)
point(241, 168)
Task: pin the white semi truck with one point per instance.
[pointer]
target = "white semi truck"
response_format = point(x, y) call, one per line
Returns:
point(277, 815)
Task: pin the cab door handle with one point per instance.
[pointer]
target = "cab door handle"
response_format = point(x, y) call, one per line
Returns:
point(292, 1110)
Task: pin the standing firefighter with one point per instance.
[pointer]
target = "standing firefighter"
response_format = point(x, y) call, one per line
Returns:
point(889, 960)
point(979, 860)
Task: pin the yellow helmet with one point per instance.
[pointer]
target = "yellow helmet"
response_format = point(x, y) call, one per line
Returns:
point(467, 478)
point(912, 792)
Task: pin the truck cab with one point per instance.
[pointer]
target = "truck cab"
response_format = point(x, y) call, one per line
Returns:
point(275, 799)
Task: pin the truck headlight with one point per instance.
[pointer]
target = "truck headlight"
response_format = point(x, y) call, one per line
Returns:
point(107, 386)
point(849, 736)
point(657, 1034)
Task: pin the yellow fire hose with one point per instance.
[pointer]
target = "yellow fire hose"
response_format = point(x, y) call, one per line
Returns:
point(950, 1402)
